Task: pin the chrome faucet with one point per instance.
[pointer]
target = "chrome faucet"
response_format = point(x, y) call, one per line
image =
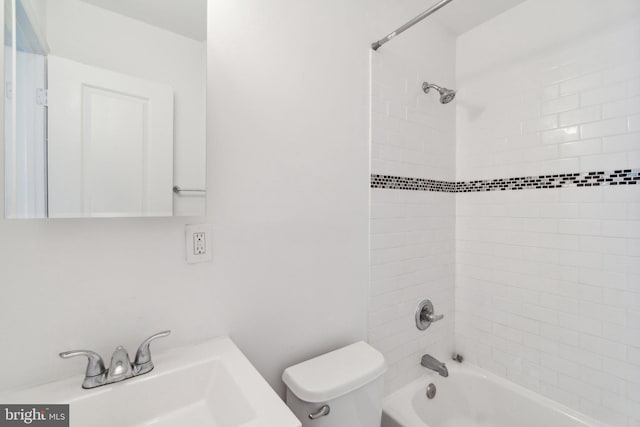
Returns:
point(434, 364)
point(120, 368)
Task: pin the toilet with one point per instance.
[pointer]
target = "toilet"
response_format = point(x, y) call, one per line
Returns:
point(342, 388)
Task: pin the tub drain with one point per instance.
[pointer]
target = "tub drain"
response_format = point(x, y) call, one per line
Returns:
point(431, 391)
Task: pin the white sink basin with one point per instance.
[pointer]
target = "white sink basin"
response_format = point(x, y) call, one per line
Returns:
point(208, 385)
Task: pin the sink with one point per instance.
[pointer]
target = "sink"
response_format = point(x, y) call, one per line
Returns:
point(207, 385)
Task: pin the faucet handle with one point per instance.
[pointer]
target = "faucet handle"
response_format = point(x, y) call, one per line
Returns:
point(95, 367)
point(434, 317)
point(143, 361)
point(425, 315)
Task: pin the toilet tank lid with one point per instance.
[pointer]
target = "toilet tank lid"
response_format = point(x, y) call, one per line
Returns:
point(335, 374)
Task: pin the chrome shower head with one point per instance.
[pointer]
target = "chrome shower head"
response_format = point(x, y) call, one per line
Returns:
point(446, 95)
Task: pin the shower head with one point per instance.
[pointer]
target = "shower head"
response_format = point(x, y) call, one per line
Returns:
point(446, 95)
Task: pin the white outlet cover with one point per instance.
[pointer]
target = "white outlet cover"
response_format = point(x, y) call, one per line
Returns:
point(191, 256)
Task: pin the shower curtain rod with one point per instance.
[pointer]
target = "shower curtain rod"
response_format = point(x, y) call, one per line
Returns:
point(414, 21)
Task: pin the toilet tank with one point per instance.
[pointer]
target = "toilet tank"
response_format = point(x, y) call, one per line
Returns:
point(342, 388)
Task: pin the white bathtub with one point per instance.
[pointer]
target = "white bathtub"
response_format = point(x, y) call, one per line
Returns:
point(472, 397)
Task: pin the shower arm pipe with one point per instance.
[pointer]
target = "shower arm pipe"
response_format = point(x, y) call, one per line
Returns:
point(414, 21)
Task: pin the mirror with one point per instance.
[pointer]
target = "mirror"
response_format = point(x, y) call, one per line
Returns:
point(105, 108)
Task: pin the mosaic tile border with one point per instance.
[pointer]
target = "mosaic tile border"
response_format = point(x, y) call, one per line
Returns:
point(563, 180)
point(414, 184)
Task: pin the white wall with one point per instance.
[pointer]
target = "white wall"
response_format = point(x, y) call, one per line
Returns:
point(548, 281)
point(288, 178)
point(288, 123)
point(125, 45)
point(412, 232)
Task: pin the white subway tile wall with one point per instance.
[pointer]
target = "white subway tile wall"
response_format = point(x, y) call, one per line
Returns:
point(412, 258)
point(412, 232)
point(548, 293)
point(412, 134)
point(548, 281)
point(569, 109)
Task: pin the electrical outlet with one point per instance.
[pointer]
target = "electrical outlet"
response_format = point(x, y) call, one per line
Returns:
point(198, 243)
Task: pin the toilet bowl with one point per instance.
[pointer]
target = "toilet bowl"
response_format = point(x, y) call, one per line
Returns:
point(342, 388)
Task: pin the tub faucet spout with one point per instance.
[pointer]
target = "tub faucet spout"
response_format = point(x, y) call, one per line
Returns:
point(434, 364)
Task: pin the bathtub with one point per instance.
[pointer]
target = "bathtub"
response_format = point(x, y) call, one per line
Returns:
point(472, 397)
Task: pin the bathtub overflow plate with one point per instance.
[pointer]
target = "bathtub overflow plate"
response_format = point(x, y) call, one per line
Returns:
point(431, 391)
